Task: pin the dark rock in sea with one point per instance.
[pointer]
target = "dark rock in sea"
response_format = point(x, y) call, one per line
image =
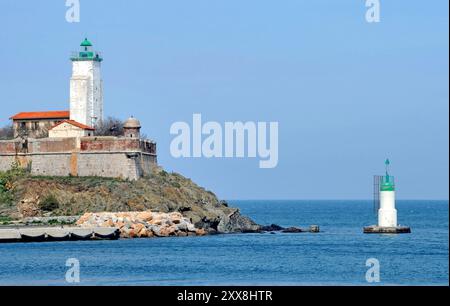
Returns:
point(236, 223)
point(293, 230)
point(209, 224)
point(272, 228)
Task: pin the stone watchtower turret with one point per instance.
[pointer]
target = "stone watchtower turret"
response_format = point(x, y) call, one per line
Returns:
point(132, 128)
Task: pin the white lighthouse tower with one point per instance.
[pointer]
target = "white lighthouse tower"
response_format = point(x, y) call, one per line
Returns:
point(385, 201)
point(387, 214)
point(86, 86)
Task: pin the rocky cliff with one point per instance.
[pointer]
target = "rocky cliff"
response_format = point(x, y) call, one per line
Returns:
point(24, 196)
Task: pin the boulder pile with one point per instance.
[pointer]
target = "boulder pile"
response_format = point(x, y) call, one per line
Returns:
point(143, 224)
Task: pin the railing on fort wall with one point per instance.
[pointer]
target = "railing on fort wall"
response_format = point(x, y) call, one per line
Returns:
point(70, 144)
point(148, 147)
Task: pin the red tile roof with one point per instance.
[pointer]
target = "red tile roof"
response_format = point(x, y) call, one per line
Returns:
point(41, 115)
point(74, 123)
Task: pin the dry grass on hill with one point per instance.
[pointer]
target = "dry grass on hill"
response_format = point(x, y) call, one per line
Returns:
point(23, 195)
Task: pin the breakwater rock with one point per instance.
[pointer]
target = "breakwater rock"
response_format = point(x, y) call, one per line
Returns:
point(143, 224)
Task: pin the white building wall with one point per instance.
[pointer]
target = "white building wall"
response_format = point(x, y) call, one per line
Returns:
point(66, 130)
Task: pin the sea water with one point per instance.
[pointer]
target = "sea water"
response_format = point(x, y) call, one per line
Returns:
point(335, 256)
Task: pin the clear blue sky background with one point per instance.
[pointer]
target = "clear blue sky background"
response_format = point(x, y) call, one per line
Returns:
point(346, 93)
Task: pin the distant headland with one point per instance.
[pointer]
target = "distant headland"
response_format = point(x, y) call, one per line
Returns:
point(74, 168)
point(69, 163)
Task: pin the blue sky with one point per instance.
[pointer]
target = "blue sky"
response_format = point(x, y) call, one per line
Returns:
point(346, 93)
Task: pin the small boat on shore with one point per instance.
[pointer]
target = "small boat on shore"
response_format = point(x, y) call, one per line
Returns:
point(81, 234)
point(57, 234)
point(52, 234)
point(32, 235)
point(111, 233)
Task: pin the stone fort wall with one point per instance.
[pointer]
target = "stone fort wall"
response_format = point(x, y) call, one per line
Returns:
point(90, 156)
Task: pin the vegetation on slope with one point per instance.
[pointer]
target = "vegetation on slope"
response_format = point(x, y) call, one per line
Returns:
point(23, 195)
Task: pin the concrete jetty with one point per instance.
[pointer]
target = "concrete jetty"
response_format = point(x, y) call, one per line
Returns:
point(374, 229)
point(42, 234)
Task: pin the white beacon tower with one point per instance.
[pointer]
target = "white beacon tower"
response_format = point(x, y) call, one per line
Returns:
point(387, 214)
point(384, 200)
point(86, 86)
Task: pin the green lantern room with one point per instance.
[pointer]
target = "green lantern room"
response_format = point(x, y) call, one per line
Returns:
point(86, 53)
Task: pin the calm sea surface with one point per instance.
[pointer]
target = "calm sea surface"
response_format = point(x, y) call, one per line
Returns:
point(337, 255)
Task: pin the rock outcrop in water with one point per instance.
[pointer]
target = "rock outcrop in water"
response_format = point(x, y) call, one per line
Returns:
point(291, 230)
point(22, 196)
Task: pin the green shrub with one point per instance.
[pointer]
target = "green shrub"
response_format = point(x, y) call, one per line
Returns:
point(3, 183)
point(5, 219)
point(49, 203)
point(6, 179)
point(9, 176)
point(6, 198)
point(176, 185)
point(16, 170)
point(56, 222)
